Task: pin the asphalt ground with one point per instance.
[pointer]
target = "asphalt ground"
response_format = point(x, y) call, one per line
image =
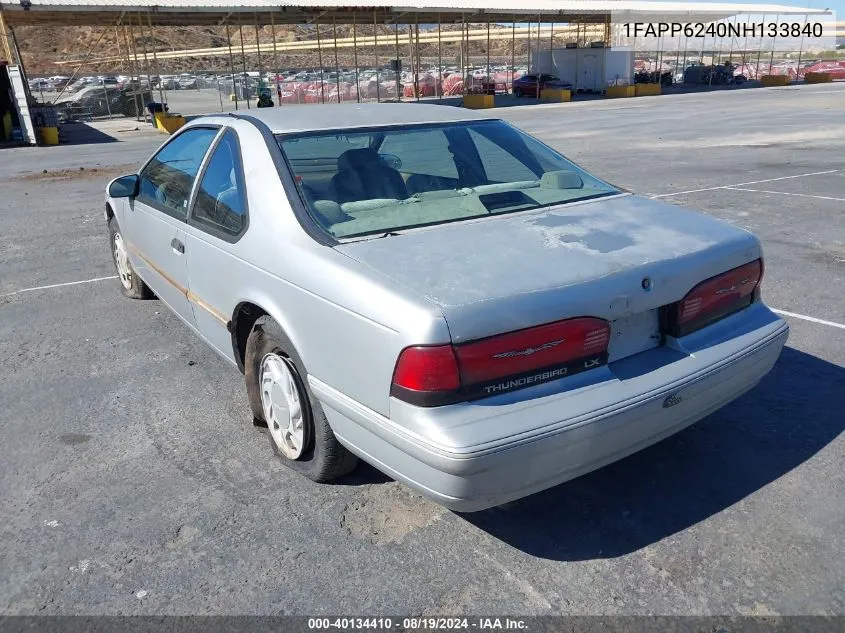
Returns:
point(134, 482)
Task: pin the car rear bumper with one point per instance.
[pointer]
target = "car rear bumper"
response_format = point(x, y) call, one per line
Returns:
point(625, 407)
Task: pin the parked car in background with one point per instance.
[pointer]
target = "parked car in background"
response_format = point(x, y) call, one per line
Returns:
point(440, 294)
point(40, 84)
point(77, 85)
point(187, 81)
point(167, 82)
point(60, 82)
point(99, 101)
point(529, 85)
point(108, 82)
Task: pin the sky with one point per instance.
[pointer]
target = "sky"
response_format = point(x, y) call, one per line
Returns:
point(835, 5)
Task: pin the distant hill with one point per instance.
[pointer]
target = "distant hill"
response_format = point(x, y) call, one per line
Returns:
point(42, 47)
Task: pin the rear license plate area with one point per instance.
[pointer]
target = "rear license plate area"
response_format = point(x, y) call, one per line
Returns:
point(633, 334)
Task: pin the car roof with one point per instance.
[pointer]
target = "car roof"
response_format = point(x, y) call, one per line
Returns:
point(313, 117)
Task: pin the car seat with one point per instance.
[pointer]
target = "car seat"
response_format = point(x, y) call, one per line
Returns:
point(362, 175)
point(227, 207)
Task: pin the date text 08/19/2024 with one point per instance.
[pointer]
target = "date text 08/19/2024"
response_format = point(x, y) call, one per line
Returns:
point(417, 623)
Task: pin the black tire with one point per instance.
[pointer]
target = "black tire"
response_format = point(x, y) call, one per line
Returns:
point(323, 458)
point(517, 93)
point(136, 289)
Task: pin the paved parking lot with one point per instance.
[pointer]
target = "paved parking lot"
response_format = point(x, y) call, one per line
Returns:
point(133, 480)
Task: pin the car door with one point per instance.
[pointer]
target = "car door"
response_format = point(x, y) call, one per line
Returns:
point(217, 221)
point(590, 75)
point(155, 221)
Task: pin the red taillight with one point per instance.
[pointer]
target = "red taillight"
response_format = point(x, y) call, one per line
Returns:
point(717, 297)
point(518, 352)
point(430, 376)
point(427, 374)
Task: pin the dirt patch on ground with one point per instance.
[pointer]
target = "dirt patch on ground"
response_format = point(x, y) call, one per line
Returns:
point(79, 173)
point(388, 513)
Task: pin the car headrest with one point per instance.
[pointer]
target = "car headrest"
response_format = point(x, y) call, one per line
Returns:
point(358, 159)
point(563, 179)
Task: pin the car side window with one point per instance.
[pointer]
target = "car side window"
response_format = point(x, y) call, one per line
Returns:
point(220, 205)
point(167, 180)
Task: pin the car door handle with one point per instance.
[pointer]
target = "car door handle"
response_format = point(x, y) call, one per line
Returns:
point(177, 246)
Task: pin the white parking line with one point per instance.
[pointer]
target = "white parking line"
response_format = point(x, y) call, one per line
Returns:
point(787, 193)
point(804, 317)
point(67, 283)
point(742, 184)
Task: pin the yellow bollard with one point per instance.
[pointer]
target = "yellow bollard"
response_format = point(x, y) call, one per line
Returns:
point(818, 78)
point(49, 135)
point(616, 92)
point(559, 95)
point(169, 122)
point(7, 126)
point(479, 102)
point(647, 90)
point(774, 80)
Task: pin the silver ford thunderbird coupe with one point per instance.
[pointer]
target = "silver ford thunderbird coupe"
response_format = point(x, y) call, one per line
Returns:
point(440, 294)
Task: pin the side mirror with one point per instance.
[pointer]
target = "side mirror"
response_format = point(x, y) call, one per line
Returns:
point(124, 187)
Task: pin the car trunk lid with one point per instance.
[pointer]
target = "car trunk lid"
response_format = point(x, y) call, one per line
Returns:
point(618, 258)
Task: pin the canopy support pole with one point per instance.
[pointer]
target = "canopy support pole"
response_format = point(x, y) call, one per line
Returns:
point(731, 52)
point(397, 74)
point(320, 61)
point(245, 81)
point(539, 17)
point(146, 61)
point(355, 55)
point(375, 49)
point(133, 44)
point(418, 58)
point(464, 51)
point(577, 44)
point(258, 50)
point(6, 48)
point(232, 67)
point(275, 59)
point(513, 51)
point(130, 68)
point(774, 39)
point(488, 54)
point(800, 51)
point(336, 64)
point(438, 81)
point(161, 90)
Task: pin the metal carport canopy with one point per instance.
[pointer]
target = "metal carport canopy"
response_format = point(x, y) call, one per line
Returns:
point(212, 12)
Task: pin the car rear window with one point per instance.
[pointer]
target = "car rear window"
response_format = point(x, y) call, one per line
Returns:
point(383, 180)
